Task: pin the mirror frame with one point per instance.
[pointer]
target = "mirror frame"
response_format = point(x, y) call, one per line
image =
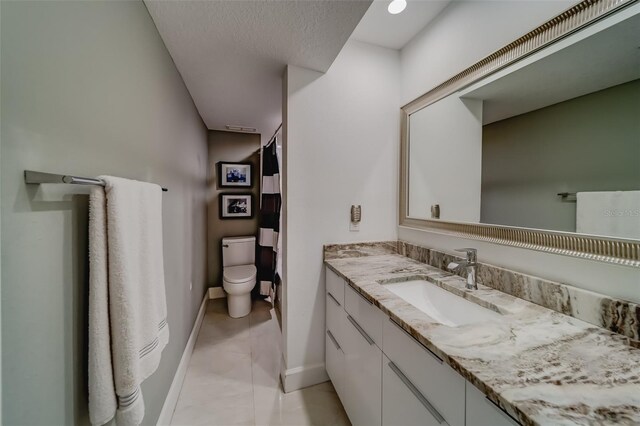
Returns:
point(604, 249)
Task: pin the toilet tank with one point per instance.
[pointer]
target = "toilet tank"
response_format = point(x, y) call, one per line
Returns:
point(238, 251)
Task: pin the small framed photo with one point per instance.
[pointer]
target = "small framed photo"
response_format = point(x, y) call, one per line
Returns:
point(232, 175)
point(236, 206)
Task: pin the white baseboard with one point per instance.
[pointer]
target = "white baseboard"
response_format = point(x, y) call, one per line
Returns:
point(216, 293)
point(303, 377)
point(174, 391)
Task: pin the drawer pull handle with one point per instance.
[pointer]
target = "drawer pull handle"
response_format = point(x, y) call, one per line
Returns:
point(361, 330)
point(333, 339)
point(417, 341)
point(333, 298)
point(414, 390)
point(504, 413)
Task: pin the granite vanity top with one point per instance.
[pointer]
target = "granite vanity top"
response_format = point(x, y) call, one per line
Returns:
point(541, 366)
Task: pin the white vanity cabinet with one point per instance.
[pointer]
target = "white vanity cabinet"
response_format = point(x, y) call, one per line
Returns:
point(334, 359)
point(363, 359)
point(385, 377)
point(363, 376)
point(335, 319)
point(403, 404)
point(353, 359)
point(335, 286)
point(439, 389)
point(482, 412)
point(364, 314)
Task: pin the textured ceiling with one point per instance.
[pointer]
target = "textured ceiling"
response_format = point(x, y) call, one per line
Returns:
point(231, 54)
point(380, 27)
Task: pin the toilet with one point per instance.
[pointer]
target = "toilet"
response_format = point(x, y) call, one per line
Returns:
point(239, 273)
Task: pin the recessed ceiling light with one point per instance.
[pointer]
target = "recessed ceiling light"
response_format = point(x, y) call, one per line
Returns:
point(397, 6)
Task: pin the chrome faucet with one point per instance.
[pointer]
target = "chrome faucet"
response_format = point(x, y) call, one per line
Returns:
point(471, 264)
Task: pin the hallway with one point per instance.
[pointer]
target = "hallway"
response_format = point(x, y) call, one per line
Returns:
point(233, 377)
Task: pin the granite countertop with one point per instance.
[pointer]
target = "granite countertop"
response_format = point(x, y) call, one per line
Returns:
point(541, 366)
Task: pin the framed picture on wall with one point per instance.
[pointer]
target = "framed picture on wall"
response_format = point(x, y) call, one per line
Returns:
point(231, 175)
point(236, 206)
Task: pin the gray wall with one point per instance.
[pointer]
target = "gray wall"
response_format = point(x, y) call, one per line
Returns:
point(588, 143)
point(233, 147)
point(88, 88)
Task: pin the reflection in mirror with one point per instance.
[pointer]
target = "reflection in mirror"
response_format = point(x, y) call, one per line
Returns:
point(441, 147)
point(565, 120)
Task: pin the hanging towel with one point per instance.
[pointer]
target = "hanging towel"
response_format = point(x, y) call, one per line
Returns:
point(609, 213)
point(127, 306)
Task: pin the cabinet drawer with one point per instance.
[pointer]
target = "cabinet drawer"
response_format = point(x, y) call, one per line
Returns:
point(482, 412)
point(367, 315)
point(335, 318)
point(402, 404)
point(439, 383)
point(362, 386)
point(335, 363)
point(335, 285)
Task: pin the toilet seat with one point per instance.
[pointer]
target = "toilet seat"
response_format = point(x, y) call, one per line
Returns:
point(239, 274)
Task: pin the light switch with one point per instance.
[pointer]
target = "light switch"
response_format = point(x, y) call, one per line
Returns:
point(356, 216)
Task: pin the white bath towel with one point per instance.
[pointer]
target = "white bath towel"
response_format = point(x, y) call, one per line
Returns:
point(127, 306)
point(609, 213)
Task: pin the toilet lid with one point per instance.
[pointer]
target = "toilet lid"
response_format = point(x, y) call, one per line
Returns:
point(239, 274)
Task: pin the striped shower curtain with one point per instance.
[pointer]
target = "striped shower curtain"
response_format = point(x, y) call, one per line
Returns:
point(269, 222)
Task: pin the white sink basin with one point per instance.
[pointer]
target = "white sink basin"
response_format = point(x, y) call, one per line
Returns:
point(439, 304)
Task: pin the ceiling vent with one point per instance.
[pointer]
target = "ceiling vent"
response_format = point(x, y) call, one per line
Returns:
point(240, 129)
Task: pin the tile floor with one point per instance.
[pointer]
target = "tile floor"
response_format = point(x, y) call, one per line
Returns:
point(233, 377)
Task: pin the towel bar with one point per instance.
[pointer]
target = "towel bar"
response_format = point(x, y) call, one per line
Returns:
point(41, 177)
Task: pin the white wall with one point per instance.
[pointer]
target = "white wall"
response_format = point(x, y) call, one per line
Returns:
point(341, 148)
point(88, 88)
point(464, 33)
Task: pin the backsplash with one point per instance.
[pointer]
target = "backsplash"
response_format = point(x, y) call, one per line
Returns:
point(619, 316)
point(339, 251)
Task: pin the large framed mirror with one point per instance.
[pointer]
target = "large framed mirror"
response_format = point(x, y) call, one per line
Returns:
point(537, 145)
